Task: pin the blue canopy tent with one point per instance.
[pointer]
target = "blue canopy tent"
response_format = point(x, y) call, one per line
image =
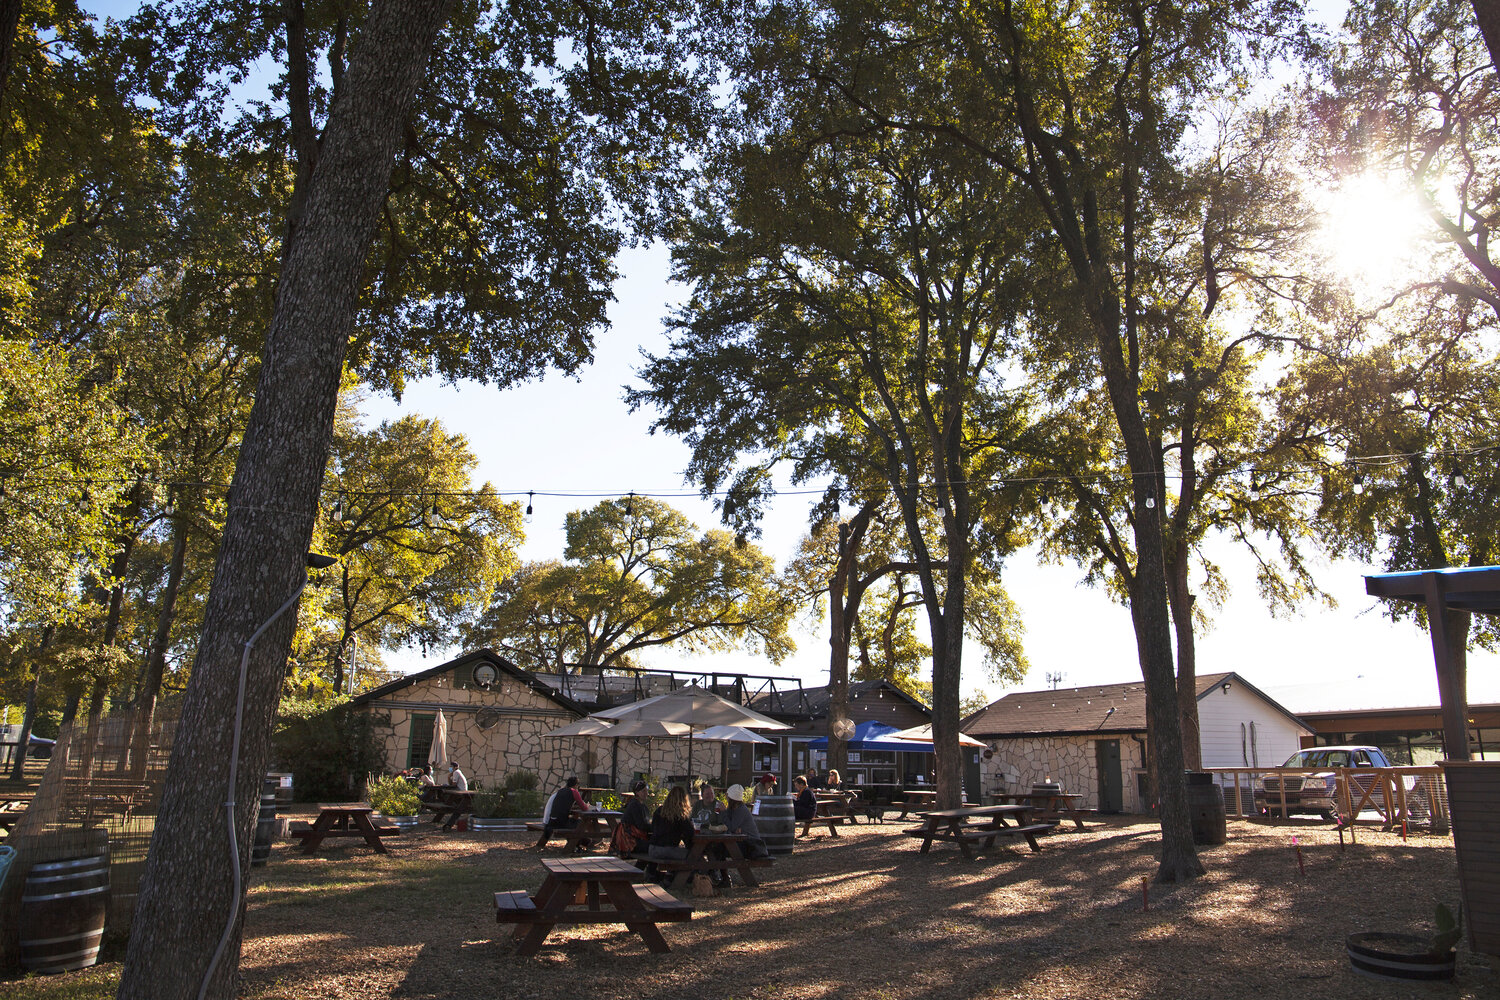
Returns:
point(869, 735)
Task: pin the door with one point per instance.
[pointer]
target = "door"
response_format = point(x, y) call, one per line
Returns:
point(972, 791)
point(1111, 786)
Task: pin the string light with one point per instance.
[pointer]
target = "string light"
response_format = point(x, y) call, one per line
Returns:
point(527, 517)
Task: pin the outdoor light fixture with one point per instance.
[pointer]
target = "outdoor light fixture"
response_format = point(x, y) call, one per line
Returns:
point(1151, 503)
point(1226, 687)
point(529, 496)
point(630, 505)
point(315, 560)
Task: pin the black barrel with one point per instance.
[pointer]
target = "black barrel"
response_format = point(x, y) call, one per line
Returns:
point(63, 906)
point(1206, 809)
point(265, 825)
point(777, 826)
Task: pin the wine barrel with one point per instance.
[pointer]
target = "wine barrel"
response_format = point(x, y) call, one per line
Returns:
point(1206, 809)
point(775, 822)
point(265, 825)
point(63, 906)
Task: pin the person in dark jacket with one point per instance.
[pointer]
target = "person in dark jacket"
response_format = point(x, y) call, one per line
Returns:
point(672, 827)
point(804, 802)
point(561, 817)
point(635, 826)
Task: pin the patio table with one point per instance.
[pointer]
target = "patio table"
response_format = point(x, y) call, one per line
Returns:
point(954, 825)
point(344, 819)
point(576, 891)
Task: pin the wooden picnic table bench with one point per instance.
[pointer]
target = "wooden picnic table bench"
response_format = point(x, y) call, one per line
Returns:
point(589, 883)
point(953, 825)
point(449, 805)
point(832, 810)
point(594, 825)
point(339, 820)
point(698, 859)
point(918, 799)
point(1047, 805)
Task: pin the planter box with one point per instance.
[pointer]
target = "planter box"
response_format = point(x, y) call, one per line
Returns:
point(1474, 808)
point(404, 822)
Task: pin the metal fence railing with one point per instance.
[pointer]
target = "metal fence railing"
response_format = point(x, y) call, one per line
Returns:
point(1388, 796)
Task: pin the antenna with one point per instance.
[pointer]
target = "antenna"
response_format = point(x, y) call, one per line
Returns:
point(1054, 678)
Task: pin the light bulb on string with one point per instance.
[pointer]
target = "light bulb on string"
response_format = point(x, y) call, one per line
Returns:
point(1151, 503)
point(630, 505)
point(529, 495)
point(1358, 487)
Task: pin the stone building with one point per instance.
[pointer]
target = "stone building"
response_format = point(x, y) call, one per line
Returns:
point(498, 716)
point(1093, 739)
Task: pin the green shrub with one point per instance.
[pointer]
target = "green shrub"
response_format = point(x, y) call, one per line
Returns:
point(522, 780)
point(327, 749)
point(394, 796)
point(609, 800)
point(523, 803)
point(489, 804)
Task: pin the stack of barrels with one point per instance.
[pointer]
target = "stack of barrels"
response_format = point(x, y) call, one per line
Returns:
point(63, 906)
point(775, 822)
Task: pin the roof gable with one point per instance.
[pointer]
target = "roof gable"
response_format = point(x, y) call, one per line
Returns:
point(1095, 708)
point(467, 662)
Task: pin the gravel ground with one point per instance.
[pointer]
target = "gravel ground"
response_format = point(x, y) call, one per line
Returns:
point(864, 916)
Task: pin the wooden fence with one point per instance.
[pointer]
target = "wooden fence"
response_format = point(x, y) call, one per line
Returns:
point(1399, 795)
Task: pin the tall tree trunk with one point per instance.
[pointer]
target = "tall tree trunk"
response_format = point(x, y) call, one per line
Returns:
point(1487, 14)
point(1181, 600)
point(28, 719)
point(10, 24)
point(839, 630)
point(187, 896)
point(156, 658)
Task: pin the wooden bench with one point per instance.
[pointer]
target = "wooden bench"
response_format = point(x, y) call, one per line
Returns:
point(517, 907)
point(982, 836)
point(680, 870)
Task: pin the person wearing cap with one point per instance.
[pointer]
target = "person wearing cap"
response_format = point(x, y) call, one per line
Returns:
point(738, 818)
point(456, 778)
point(766, 785)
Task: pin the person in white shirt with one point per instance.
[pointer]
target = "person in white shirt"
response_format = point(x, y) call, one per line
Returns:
point(456, 778)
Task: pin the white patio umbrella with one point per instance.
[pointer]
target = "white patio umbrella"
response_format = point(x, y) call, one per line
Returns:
point(698, 707)
point(732, 734)
point(923, 734)
point(586, 726)
point(437, 755)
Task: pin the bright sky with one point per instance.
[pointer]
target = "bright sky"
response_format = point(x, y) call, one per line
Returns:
point(562, 436)
point(578, 438)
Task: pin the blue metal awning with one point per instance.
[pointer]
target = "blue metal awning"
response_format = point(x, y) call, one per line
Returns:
point(868, 735)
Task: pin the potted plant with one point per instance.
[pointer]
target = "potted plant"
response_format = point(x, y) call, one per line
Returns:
point(1408, 957)
point(395, 798)
point(488, 811)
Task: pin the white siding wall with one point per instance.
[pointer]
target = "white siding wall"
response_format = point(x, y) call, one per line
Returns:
point(1224, 726)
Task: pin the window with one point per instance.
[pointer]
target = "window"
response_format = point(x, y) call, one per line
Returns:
point(420, 744)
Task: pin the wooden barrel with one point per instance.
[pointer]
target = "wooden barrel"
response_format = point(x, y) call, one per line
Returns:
point(265, 824)
point(775, 822)
point(1206, 809)
point(63, 906)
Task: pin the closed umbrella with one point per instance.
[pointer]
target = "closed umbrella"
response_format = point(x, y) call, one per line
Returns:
point(437, 756)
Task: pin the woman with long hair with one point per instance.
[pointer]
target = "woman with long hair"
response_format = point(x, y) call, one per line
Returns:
point(672, 827)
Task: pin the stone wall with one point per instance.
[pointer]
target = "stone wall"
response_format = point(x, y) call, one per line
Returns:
point(516, 741)
point(1017, 763)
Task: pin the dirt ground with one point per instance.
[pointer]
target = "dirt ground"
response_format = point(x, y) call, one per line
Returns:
point(864, 916)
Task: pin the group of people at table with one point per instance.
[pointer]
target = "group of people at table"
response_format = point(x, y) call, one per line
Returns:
point(666, 832)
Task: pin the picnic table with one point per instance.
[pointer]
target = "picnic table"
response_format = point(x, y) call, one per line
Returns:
point(832, 810)
point(449, 805)
point(343, 819)
point(1047, 805)
point(575, 891)
point(698, 859)
point(594, 825)
point(917, 799)
point(954, 825)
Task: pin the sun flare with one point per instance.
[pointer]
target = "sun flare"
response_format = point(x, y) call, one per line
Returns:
point(1372, 231)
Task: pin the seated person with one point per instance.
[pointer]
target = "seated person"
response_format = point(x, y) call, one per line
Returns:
point(635, 826)
point(766, 785)
point(739, 819)
point(706, 812)
point(425, 785)
point(560, 816)
point(833, 783)
point(671, 828)
point(456, 778)
point(804, 803)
